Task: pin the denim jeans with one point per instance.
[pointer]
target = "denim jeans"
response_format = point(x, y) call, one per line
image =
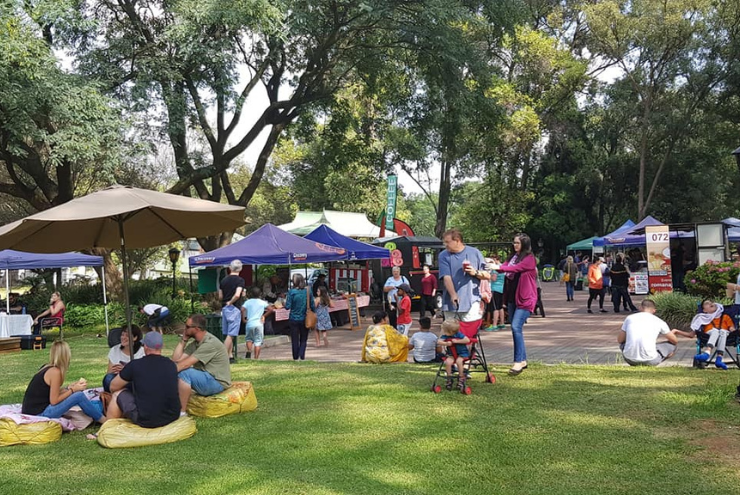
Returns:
point(518, 318)
point(201, 381)
point(76, 399)
point(298, 338)
point(569, 293)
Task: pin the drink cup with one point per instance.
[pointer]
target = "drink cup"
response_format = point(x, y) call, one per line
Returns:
point(465, 265)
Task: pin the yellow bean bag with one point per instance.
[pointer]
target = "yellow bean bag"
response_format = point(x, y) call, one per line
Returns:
point(122, 433)
point(11, 433)
point(384, 344)
point(238, 398)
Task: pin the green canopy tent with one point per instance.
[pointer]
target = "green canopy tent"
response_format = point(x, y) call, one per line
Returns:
point(583, 245)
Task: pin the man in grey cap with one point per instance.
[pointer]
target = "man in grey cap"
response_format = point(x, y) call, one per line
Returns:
point(153, 400)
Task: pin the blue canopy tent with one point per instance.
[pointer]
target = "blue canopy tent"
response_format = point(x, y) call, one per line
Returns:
point(269, 245)
point(626, 226)
point(356, 250)
point(19, 260)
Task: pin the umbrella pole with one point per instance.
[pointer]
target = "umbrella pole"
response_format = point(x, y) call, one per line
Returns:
point(105, 303)
point(192, 301)
point(126, 304)
point(7, 290)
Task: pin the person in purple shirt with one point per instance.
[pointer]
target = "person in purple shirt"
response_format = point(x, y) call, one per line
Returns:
point(521, 281)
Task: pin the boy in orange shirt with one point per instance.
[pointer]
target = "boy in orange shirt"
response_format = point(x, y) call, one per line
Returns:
point(717, 329)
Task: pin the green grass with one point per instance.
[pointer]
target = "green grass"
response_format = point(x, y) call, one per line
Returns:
point(368, 429)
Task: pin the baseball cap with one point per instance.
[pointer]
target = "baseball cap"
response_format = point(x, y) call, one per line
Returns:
point(405, 287)
point(153, 340)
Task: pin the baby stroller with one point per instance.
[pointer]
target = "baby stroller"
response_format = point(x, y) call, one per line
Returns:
point(548, 273)
point(476, 363)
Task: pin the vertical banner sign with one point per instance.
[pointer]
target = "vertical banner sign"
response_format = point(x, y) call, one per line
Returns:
point(659, 258)
point(390, 209)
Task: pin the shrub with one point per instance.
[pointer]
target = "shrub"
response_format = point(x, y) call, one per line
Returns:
point(711, 278)
point(679, 309)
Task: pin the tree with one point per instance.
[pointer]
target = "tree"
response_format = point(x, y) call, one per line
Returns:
point(666, 51)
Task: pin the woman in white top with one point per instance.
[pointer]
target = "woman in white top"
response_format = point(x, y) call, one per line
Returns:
point(119, 356)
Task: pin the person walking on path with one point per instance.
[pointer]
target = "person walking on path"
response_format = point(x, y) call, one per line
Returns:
point(428, 293)
point(570, 274)
point(297, 302)
point(229, 292)
point(520, 294)
point(620, 285)
point(323, 319)
point(596, 284)
point(461, 269)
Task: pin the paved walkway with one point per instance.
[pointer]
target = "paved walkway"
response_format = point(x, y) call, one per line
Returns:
point(567, 335)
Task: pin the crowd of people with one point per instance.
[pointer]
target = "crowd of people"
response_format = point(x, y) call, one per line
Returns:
point(605, 275)
point(151, 390)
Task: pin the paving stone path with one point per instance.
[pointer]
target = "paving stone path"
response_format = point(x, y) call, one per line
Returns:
point(568, 334)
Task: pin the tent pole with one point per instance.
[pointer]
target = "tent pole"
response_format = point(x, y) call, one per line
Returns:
point(105, 303)
point(192, 302)
point(7, 290)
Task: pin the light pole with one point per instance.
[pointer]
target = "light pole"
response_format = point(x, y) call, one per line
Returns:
point(174, 256)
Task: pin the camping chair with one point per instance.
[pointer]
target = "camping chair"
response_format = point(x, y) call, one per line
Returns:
point(732, 346)
point(53, 322)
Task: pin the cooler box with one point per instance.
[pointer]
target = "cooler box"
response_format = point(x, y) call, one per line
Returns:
point(29, 342)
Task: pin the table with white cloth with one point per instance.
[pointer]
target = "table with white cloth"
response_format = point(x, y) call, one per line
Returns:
point(15, 325)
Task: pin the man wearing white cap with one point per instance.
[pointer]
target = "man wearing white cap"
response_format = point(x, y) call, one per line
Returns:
point(153, 399)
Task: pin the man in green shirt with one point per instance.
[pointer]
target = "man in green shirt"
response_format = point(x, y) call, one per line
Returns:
point(202, 364)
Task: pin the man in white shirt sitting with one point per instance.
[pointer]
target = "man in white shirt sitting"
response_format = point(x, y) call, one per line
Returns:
point(638, 336)
point(424, 344)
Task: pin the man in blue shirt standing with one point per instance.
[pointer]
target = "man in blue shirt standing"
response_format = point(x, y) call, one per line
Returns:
point(461, 268)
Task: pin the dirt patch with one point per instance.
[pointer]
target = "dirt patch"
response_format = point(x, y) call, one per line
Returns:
point(717, 440)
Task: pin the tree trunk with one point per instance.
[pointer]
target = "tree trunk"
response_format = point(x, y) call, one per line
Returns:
point(113, 278)
point(445, 186)
point(641, 206)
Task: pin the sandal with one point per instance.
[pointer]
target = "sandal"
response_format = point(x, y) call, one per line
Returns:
point(91, 436)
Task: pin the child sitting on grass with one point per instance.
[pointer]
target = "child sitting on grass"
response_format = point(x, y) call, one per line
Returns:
point(451, 335)
point(424, 344)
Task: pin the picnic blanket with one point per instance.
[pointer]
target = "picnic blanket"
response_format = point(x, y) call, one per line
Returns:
point(13, 413)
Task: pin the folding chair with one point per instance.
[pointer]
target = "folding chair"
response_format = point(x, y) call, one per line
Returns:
point(732, 346)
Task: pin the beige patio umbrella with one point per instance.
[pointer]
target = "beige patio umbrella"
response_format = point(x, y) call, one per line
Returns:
point(119, 217)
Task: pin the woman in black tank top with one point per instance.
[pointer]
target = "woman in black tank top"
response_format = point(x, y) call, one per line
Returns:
point(45, 395)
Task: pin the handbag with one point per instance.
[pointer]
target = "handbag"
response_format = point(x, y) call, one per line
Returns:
point(566, 277)
point(311, 319)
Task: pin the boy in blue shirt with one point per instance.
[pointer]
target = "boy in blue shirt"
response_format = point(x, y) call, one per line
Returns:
point(452, 336)
point(255, 311)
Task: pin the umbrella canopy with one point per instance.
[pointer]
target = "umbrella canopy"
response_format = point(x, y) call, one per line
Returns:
point(145, 218)
point(582, 245)
point(119, 217)
point(356, 250)
point(600, 241)
point(270, 245)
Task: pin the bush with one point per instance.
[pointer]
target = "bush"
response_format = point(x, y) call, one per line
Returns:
point(711, 278)
point(679, 309)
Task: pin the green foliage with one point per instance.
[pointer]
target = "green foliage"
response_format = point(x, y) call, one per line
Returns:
point(675, 308)
point(711, 278)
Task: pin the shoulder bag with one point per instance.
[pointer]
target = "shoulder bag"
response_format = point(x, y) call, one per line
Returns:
point(310, 320)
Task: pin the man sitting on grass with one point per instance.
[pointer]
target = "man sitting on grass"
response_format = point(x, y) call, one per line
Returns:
point(638, 336)
point(424, 344)
point(154, 400)
point(203, 364)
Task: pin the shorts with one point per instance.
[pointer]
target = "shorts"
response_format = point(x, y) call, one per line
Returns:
point(256, 335)
point(498, 300)
point(201, 382)
point(473, 314)
point(231, 318)
point(403, 328)
point(127, 404)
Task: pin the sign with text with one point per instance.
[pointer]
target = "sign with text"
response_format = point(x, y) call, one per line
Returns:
point(658, 243)
point(354, 312)
point(390, 207)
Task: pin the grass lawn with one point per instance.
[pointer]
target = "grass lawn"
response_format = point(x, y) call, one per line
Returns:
point(356, 429)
